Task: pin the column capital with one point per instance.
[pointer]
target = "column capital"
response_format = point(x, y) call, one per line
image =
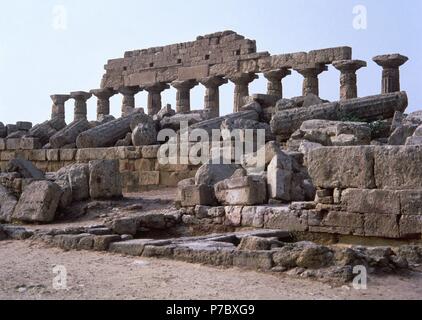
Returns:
point(60, 98)
point(349, 66)
point(277, 74)
point(184, 85)
point(311, 70)
point(243, 78)
point(390, 61)
point(213, 82)
point(129, 90)
point(80, 95)
point(105, 93)
point(156, 87)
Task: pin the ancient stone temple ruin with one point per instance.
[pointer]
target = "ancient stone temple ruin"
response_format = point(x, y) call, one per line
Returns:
point(333, 170)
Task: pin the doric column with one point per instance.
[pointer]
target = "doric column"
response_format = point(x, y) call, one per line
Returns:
point(80, 104)
point(58, 109)
point(154, 97)
point(183, 94)
point(212, 94)
point(348, 79)
point(310, 74)
point(103, 102)
point(241, 89)
point(390, 64)
point(275, 77)
point(128, 103)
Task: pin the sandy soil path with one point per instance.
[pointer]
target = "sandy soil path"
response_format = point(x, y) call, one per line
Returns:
point(26, 272)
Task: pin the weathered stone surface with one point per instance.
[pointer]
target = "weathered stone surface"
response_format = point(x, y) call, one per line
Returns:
point(38, 202)
point(249, 190)
point(7, 204)
point(167, 111)
point(106, 135)
point(69, 134)
point(410, 226)
point(46, 130)
point(25, 168)
point(104, 179)
point(261, 260)
point(210, 174)
point(191, 118)
point(284, 219)
point(284, 123)
point(279, 177)
point(230, 125)
point(371, 201)
point(398, 168)
point(342, 167)
point(144, 134)
point(382, 225)
point(29, 143)
point(194, 195)
point(78, 177)
point(3, 130)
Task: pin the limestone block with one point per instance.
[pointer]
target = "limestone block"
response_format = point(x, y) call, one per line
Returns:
point(53, 155)
point(171, 179)
point(342, 167)
point(38, 155)
point(381, 225)
point(193, 195)
point(210, 174)
point(2, 144)
point(23, 125)
point(28, 143)
point(68, 154)
point(13, 144)
point(256, 260)
point(398, 168)
point(411, 226)
point(250, 190)
point(78, 177)
point(149, 178)
point(233, 216)
point(86, 155)
point(7, 204)
point(280, 176)
point(25, 168)
point(130, 153)
point(7, 155)
point(150, 152)
point(410, 202)
point(104, 179)
point(253, 216)
point(38, 202)
point(286, 219)
point(371, 201)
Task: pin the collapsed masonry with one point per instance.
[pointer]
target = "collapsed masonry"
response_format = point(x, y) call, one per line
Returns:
point(350, 167)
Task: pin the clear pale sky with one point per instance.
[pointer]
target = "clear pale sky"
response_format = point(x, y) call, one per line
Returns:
point(39, 57)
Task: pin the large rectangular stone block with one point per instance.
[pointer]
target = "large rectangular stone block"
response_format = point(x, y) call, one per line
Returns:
point(38, 155)
point(194, 195)
point(371, 201)
point(398, 167)
point(241, 191)
point(86, 155)
point(410, 202)
point(2, 144)
point(13, 144)
point(149, 178)
point(382, 225)
point(67, 154)
point(342, 167)
point(29, 143)
point(285, 219)
point(411, 226)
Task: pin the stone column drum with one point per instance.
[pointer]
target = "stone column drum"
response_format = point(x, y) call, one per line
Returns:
point(390, 64)
point(128, 103)
point(241, 89)
point(80, 104)
point(275, 78)
point(212, 94)
point(58, 108)
point(183, 94)
point(103, 102)
point(310, 74)
point(154, 97)
point(348, 79)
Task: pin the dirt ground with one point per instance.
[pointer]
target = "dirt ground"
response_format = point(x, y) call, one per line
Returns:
point(26, 272)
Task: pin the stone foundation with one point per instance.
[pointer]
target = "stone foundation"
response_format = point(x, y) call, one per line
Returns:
point(139, 166)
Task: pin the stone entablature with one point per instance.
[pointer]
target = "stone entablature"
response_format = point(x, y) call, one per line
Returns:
point(219, 54)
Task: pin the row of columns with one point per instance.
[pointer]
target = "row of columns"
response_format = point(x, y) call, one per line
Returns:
point(348, 88)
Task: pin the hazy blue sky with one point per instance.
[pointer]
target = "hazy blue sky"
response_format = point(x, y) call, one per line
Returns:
point(38, 59)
